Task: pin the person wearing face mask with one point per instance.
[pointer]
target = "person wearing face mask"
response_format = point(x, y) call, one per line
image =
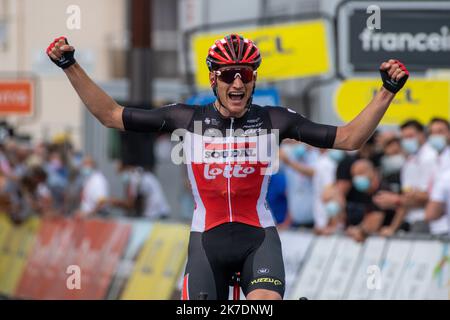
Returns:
point(322, 172)
point(299, 162)
point(439, 205)
point(416, 179)
point(392, 162)
point(366, 179)
point(94, 191)
point(439, 139)
point(355, 200)
point(334, 208)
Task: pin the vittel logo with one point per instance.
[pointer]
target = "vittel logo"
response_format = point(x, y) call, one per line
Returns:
point(228, 171)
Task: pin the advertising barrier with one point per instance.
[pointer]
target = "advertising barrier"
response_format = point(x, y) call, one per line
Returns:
point(138, 259)
point(158, 266)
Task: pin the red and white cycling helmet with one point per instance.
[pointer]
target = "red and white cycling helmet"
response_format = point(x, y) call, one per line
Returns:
point(231, 50)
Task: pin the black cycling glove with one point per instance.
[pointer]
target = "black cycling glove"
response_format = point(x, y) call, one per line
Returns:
point(67, 59)
point(392, 85)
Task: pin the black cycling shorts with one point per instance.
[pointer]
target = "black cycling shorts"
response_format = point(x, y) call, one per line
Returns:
point(215, 255)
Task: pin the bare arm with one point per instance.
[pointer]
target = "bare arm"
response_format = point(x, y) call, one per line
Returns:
point(434, 210)
point(297, 166)
point(102, 106)
point(355, 133)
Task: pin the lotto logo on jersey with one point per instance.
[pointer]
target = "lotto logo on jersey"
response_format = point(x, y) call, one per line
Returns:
point(228, 171)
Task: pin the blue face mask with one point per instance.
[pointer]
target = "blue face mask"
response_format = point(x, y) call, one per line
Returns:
point(392, 164)
point(410, 145)
point(125, 177)
point(86, 171)
point(299, 151)
point(361, 183)
point(437, 141)
point(336, 155)
point(332, 208)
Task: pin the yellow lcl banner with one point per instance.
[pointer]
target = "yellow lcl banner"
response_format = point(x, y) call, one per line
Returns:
point(420, 99)
point(288, 51)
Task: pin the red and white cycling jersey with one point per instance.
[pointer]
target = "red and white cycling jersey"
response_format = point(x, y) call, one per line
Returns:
point(229, 160)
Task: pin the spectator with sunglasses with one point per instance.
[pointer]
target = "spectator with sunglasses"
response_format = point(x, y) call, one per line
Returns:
point(228, 153)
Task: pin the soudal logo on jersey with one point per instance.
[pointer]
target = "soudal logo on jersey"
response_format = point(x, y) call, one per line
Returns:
point(230, 153)
point(228, 171)
point(221, 151)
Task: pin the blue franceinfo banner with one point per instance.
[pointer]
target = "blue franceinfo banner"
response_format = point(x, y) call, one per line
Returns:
point(262, 97)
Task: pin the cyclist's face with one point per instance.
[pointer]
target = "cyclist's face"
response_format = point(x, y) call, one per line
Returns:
point(234, 88)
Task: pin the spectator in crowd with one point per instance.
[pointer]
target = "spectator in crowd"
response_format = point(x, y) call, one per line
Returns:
point(72, 194)
point(57, 171)
point(144, 194)
point(299, 185)
point(439, 140)
point(366, 179)
point(94, 191)
point(392, 162)
point(416, 179)
point(355, 200)
point(438, 207)
point(41, 199)
point(391, 165)
point(323, 173)
point(334, 203)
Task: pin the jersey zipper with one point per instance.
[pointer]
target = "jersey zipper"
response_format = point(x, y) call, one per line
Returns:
point(229, 163)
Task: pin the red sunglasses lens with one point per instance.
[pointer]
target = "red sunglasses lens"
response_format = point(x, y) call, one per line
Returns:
point(228, 75)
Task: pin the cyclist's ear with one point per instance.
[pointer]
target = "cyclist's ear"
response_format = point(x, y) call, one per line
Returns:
point(212, 78)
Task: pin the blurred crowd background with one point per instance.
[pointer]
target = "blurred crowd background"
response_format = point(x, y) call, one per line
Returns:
point(396, 182)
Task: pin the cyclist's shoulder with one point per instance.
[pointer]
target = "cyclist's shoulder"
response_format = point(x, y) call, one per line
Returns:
point(186, 107)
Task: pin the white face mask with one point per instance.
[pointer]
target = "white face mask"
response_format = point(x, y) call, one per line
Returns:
point(410, 145)
point(437, 141)
point(392, 164)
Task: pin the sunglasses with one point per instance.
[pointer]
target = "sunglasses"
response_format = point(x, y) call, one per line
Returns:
point(228, 75)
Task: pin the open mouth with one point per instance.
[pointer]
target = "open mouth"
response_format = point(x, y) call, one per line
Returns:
point(236, 96)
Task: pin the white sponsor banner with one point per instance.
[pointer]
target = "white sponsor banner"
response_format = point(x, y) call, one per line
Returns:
point(392, 268)
point(317, 265)
point(340, 274)
point(372, 256)
point(294, 246)
point(418, 273)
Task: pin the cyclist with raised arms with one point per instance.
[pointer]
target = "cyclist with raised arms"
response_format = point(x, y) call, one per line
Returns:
point(232, 227)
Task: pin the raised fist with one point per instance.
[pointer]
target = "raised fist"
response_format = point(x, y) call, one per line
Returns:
point(394, 75)
point(61, 53)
